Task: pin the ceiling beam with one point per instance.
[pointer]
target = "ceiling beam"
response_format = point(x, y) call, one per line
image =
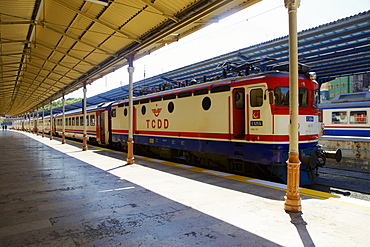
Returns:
point(92, 18)
point(163, 11)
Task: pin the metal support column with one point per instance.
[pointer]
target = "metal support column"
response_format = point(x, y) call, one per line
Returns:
point(43, 123)
point(130, 141)
point(33, 123)
point(51, 120)
point(37, 122)
point(84, 138)
point(292, 197)
point(64, 121)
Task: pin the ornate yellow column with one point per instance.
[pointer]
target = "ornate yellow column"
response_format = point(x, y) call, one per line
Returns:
point(130, 141)
point(292, 197)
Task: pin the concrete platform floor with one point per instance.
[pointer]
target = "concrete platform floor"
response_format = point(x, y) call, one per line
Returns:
point(54, 194)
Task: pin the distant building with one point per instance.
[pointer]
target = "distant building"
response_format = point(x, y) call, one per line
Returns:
point(361, 83)
point(347, 84)
point(339, 85)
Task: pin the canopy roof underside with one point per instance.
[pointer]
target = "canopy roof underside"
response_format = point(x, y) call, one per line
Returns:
point(52, 47)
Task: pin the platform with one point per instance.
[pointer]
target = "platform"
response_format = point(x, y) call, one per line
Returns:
point(55, 194)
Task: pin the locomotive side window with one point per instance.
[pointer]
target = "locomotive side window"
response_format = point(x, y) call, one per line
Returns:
point(206, 103)
point(256, 97)
point(358, 117)
point(170, 107)
point(143, 109)
point(125, 112)
point(282, 96)
point(339, 117)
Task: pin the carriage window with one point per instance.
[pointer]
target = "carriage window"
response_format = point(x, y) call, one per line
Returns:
point(92, 120)
point(73, 121)
point(339, 117)
point(81, 121)
point(87, 120)
point(358, 117)
point(77, 122)
point(256, 97)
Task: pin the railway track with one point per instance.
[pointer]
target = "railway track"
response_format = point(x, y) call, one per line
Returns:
point(344, 181)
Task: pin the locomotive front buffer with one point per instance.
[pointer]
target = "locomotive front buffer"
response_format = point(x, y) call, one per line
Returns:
point(318, 159)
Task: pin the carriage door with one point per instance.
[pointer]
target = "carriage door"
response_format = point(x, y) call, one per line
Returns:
point(239, 113)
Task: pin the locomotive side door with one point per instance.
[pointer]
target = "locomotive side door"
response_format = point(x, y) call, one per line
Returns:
point(239, 113)
point(258, 113)
point(102, 126)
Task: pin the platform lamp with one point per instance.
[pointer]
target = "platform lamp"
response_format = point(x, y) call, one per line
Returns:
point(292, 197)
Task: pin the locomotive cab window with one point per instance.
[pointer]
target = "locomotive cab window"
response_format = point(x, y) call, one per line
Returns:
point(256, 97)
point(113, 113)
point(92, 120)
point(282, 96)
point(303, 97)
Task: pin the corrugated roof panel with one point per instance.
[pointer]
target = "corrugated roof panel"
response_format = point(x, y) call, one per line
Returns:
point(80, 40)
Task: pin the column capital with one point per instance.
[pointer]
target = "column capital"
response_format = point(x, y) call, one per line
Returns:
point(289, 4)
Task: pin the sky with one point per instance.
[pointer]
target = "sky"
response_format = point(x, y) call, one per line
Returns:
point(259, 23)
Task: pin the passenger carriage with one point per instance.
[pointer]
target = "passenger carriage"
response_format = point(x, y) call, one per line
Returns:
point(347, 115)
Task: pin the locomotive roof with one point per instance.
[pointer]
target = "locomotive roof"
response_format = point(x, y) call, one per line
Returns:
point(213, 84)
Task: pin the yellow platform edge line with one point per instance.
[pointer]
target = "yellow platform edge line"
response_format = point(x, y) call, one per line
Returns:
point(303, 191)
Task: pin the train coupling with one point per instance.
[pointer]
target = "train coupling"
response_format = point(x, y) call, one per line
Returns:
point(318, 158)
point(335, 154)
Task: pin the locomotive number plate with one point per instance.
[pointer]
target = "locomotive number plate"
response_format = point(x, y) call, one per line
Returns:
point(256, 123)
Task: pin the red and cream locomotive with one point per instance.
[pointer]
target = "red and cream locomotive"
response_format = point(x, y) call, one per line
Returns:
point(234, 124)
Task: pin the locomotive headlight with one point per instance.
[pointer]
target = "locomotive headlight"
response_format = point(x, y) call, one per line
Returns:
point(312, 75)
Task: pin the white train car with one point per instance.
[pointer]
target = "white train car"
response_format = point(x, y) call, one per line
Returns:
point(347, 115)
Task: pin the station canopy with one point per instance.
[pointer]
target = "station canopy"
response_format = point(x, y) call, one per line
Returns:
point(338, 48)
point(52, 47)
